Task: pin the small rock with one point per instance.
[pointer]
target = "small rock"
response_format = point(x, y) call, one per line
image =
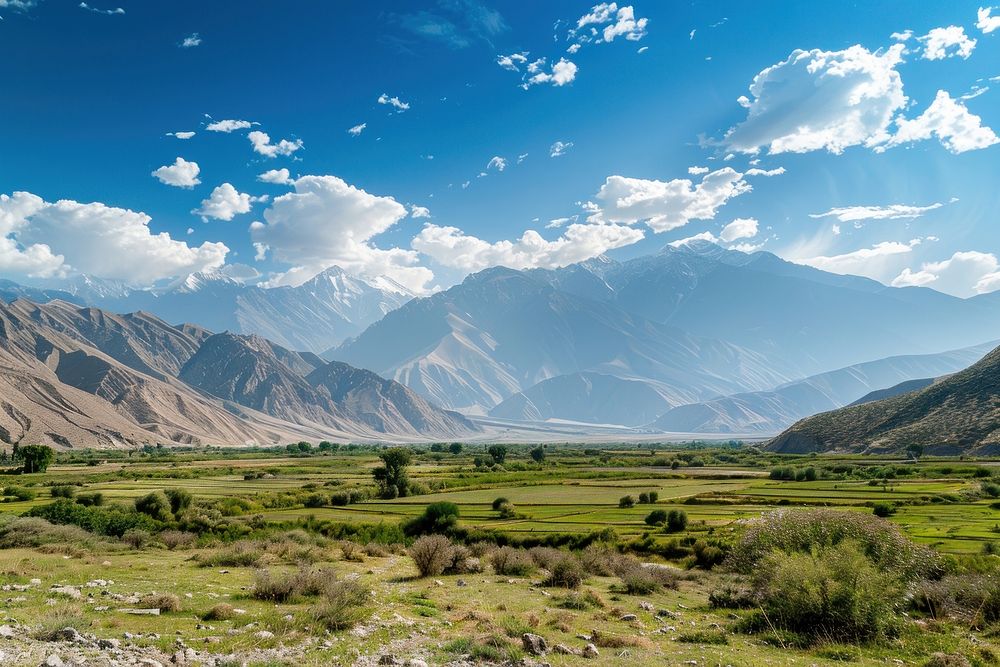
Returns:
point(7, 632)
point(389, 659)
point(417, 662)
point(629, 617)
point(438, 582)
point(534, 644)
point(68, 635)
point(461, 582)
point(68, 591)
point(590, 651)
point(646, 606)
point(52, 661)
point(149, 662)
point(36, 582)
point(263, 634)
point(108, 644)
point(566, 650)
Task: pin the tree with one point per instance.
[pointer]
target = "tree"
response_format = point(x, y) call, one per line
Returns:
point(498, 453)
point(455, 448)
point(538, 454)
point(36, 457)
point(656, 518)
point(677, 520)
point(180, 500)
point(154, 505)
point(438, 517)
point(391, 476)
point(914, 451)
point(626, 502)
point(305, 447)
point(327, 446)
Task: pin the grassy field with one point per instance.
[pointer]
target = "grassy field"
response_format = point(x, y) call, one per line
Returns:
point(573, 494)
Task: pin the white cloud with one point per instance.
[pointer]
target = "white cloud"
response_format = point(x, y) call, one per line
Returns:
point(180, 135)
point(666, 205)
point(497, 162)
point(399, 105)
point(986, 21)
point(559, 148)
point(453, 248)
point(963, 274)
point(698, 171)
point(419, 212)
point(513, 61)
point(740, 228)
point(276, 176)
point(562, 72)
point(224, 203)
point(941, 43)
point(357, 129)
point(180, 174)
point(871, 262)
point(262, 145)
point(748, 248)
point(522, 157)
point(890, 212)
point(626, 25)
point(622, 23)
point(228, 126)
point(556, 223)
point(778, 171)
point(191, 41)
point(822, 100)
point(903, 36)
point(703, 236)
point(43, 239)
point(106, 12)
point(573, 48)
point(950, 121)
point(326, 221)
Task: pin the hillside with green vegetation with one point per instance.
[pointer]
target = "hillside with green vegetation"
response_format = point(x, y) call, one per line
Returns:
point(959, 414)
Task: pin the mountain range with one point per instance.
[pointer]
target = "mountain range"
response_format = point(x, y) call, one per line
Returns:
point(694, 339)
point(75, 376)
point(957, 414)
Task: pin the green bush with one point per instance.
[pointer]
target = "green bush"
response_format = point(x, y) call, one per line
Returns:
point(883, 509)
point(677, 520)
point(439, 517)
point(63, 491)
point(656, 518)
point(626, 502)
point(834, 592)
point(499, 502)
point(344, 604)
point(154, 505)
point(566, 572)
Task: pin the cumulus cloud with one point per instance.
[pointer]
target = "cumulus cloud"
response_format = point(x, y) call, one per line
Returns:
point(180, 174)
point(822, 100)
point(419, 212)
point(617, 22)
point(740, 228)
point(963, 274)
point(703, 236)
point(228, 126)
point(941, 43)
point(563, 72)
point(357, 129)
point(276, 176)
point(950, 121)
point(513, 62)
point(191, 41)
point(180, 135)
point(224, 203)
point(399, 105)
point(497, 162)
point(890, 212)
point(559, 148)
point(986, 21)
point(42, 239)
point(262, 145)
point(666, 205)
point(326, 222)
point(453, 248)
point(698, 171)
point(871, 262)
point(778, 171)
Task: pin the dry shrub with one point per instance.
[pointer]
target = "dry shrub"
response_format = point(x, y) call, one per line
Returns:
point(600, 560)
point(58, 618)
point(432, 554)
point(35, 532)
point(178, 539)
point(612, 640)
point(351, 551)
point(162, 601)
point(565, 572)
point(375, 550)
point(546, 557)
point(245, 553)
point(480, 549)
point(511, 562)
point(220, 612)
point(291, 586)
point(344, 605)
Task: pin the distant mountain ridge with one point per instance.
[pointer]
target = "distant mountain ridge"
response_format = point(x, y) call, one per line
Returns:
point(959, 414)
point(73, 376)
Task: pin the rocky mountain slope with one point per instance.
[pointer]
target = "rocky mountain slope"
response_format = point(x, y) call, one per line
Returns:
point(769, 412)
point(501, 331)
point(75, 376)
point(959, 414)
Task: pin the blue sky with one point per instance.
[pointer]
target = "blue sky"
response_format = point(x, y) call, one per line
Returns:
point(636, 94)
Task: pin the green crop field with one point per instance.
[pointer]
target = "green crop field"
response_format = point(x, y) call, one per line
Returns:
point(291, 511)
